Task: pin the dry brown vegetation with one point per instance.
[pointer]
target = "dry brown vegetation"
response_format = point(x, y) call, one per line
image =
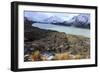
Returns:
point(46, 45)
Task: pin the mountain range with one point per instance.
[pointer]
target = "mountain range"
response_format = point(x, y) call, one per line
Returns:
point(81, 20)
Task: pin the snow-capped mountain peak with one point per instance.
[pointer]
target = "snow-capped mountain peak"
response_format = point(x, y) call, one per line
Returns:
point(53, 19)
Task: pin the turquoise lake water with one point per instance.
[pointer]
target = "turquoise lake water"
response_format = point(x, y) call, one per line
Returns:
point(66, 29)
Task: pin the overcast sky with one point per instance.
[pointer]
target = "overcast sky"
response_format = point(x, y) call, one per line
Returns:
point(41, 16)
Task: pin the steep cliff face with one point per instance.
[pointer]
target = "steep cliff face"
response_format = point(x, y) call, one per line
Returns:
point(54, 43)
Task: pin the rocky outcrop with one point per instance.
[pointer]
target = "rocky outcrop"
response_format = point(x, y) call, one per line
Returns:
point(47, 41)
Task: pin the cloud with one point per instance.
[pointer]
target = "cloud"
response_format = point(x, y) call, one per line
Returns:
point(41, 16)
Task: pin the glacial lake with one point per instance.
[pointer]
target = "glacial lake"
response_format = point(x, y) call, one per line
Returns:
point(66, 29)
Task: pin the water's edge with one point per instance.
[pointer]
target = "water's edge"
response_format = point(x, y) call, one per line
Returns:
point(66, 29)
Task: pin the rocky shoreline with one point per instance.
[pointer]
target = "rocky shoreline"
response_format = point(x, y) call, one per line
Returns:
point(46, 45)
